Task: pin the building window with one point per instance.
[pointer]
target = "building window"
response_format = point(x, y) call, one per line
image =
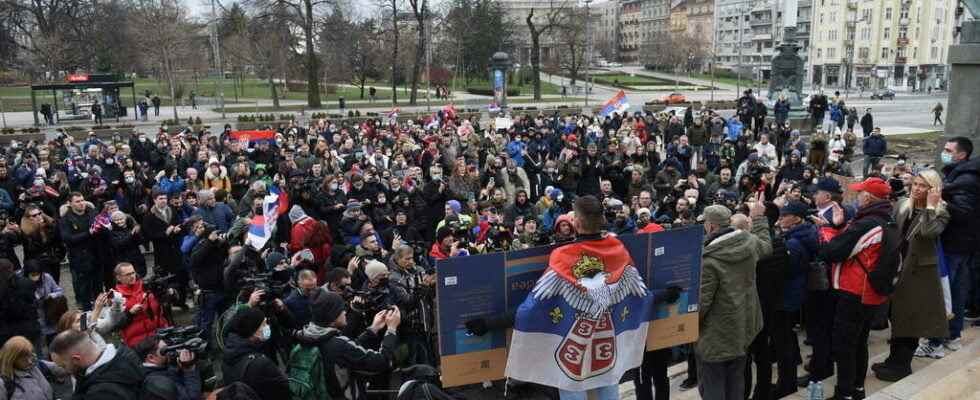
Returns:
point(821, 17)
point(884, 52)
point(886, 33)
point(819, 53)
point(888, 14)
point(866, 15)
point(831, 52)
point(863, 53)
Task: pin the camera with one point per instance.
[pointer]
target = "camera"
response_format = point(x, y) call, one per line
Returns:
point(265, 282)
point(160, 286)
point(458, 229)
point(372, 302)
point(182, 338)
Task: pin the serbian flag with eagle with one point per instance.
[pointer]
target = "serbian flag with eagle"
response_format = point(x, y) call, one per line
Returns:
point(263, 226)
point(585, 322)
point(617, 104)
point(253, 137)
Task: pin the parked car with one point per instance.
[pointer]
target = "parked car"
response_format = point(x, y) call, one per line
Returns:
point(674, 98)
point(882, 94)
point(614, 65)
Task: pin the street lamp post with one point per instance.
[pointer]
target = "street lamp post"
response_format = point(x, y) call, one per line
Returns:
point(588, 51)
point(217, 59)
point(738, 68)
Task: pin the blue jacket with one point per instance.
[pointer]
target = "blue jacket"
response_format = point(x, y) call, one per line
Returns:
point(803, 245)
point(220, 216)
point(781, 110)
point(734, 128)
point(875, 146)
point(299, 305)
point(171, 186)
point(514, 151)
point(6, 202)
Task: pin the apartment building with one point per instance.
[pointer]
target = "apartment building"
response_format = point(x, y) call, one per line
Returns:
point(898, 44)
point(747, 33)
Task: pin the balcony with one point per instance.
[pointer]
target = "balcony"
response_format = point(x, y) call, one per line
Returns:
point(903, 42)
point(900, 60)
point(852, 5)
point(760, 21)
point(903, 22)
point(762, 36)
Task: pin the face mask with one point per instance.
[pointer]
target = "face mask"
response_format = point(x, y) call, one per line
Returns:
point(946, 158)
point(38, 182)
point(265, 333)
point(383, 282)
point(143, 139)
point(130, 180)
point(109, 161)
point(333, 186)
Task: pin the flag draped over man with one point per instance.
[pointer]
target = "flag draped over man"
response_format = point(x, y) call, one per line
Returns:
point(263, 226)
point(589, 314)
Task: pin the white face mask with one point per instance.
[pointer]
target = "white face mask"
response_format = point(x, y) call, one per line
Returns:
point(265, 333)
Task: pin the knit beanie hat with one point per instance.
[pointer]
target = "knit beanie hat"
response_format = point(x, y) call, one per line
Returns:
point(246, 321)
point(273, 258)
point(326, 306)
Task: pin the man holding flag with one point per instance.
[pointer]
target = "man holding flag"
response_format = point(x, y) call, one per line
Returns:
point(589, 313)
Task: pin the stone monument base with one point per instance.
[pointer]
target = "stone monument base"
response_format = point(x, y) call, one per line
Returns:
point(963, 103)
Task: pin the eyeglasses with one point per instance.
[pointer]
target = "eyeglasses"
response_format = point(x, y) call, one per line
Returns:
point(35, 215)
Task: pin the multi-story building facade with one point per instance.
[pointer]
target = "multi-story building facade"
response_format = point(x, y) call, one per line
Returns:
point(654, 19)
point(701, 20)
point(899, 44)
point(605, 29)
point(630, 40)
point(747, 33)
point(516, 12)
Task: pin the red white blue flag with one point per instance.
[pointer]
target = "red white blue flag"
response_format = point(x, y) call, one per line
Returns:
point(617, 103)
point(253, 137)
point(263, 226)
point(585, 322)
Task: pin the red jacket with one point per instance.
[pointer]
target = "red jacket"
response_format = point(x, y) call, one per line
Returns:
point(314, 235)
point(860, 240)
point(650, 228)
point(145, 322)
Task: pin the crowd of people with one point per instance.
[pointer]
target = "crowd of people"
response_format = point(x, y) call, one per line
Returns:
point(158, 226)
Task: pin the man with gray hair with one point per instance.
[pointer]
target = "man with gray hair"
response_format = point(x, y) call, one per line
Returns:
point(101, 372)
point(730, 314)
point(213, 212)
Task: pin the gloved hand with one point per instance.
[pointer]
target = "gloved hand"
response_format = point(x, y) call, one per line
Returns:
point(670, 295)
point(477, 326)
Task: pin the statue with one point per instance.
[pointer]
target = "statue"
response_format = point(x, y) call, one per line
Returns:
point(787, 72)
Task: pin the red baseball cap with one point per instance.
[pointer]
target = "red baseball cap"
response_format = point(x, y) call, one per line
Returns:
point(875, 186)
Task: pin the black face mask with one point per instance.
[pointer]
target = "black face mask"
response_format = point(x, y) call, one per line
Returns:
point(383, 282)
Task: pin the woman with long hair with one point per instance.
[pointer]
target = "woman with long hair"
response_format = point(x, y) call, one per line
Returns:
point(42, 241)
point(917, 306)
point(20, 377)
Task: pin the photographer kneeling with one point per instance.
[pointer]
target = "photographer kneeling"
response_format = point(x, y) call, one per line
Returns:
point(144, 313)
point(165, 381)
point(372, 352)
point(245, 358)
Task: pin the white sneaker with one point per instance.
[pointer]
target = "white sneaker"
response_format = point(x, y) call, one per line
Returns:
point(926, 350)
point(953, 345)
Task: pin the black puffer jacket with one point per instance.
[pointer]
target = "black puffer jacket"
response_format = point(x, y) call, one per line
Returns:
point(121, 378)
point(18, 309)
point(961, 191)
point(244, 361)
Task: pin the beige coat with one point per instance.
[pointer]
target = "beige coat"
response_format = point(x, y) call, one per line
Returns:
point(917, 308)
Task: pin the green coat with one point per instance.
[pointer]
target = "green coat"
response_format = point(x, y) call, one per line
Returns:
point(730, 313)
point(917, 306)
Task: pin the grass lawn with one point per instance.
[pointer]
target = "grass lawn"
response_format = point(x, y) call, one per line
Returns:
point(746, 82)
point(382, 104)
point(628, 80)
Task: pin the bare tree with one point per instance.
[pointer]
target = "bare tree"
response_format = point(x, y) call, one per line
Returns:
point(572, 37)
point(303, 14)
point(552, 18)
point(420, 10)
point(392, 5)
point(171, 40)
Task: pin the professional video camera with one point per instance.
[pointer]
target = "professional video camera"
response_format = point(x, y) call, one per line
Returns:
point(458, 228)
point(372, 301)
point(498, 238)
point(182, 338)
point(755, 173)
point(265, 282)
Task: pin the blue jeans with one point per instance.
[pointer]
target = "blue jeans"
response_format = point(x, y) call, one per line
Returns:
point(960, 266)
point(610, 392)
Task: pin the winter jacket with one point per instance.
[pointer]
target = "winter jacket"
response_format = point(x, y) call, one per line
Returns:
point(28, 385)
point(44, 289)
point(217, 182)
point(126, 245)
point(961, 191)
point(308, 233)
point(874, 146)
point(220, 215)
point(802, 244)
point(117, 375)
point(856, 249)
point(730, 314)
point(244, 361)
point(171, 383)
point(75, 234)
point(144, 323)
point(917, 306)
point(206, 261)
point(343, 357)
point(781, 110)
point(18, 309)
point(166, 248)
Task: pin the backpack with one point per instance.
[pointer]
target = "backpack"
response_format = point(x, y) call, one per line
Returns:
point(306, 374)
point(884, 276)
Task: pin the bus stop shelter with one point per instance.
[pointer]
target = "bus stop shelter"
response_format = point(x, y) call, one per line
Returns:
point(108, 83)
